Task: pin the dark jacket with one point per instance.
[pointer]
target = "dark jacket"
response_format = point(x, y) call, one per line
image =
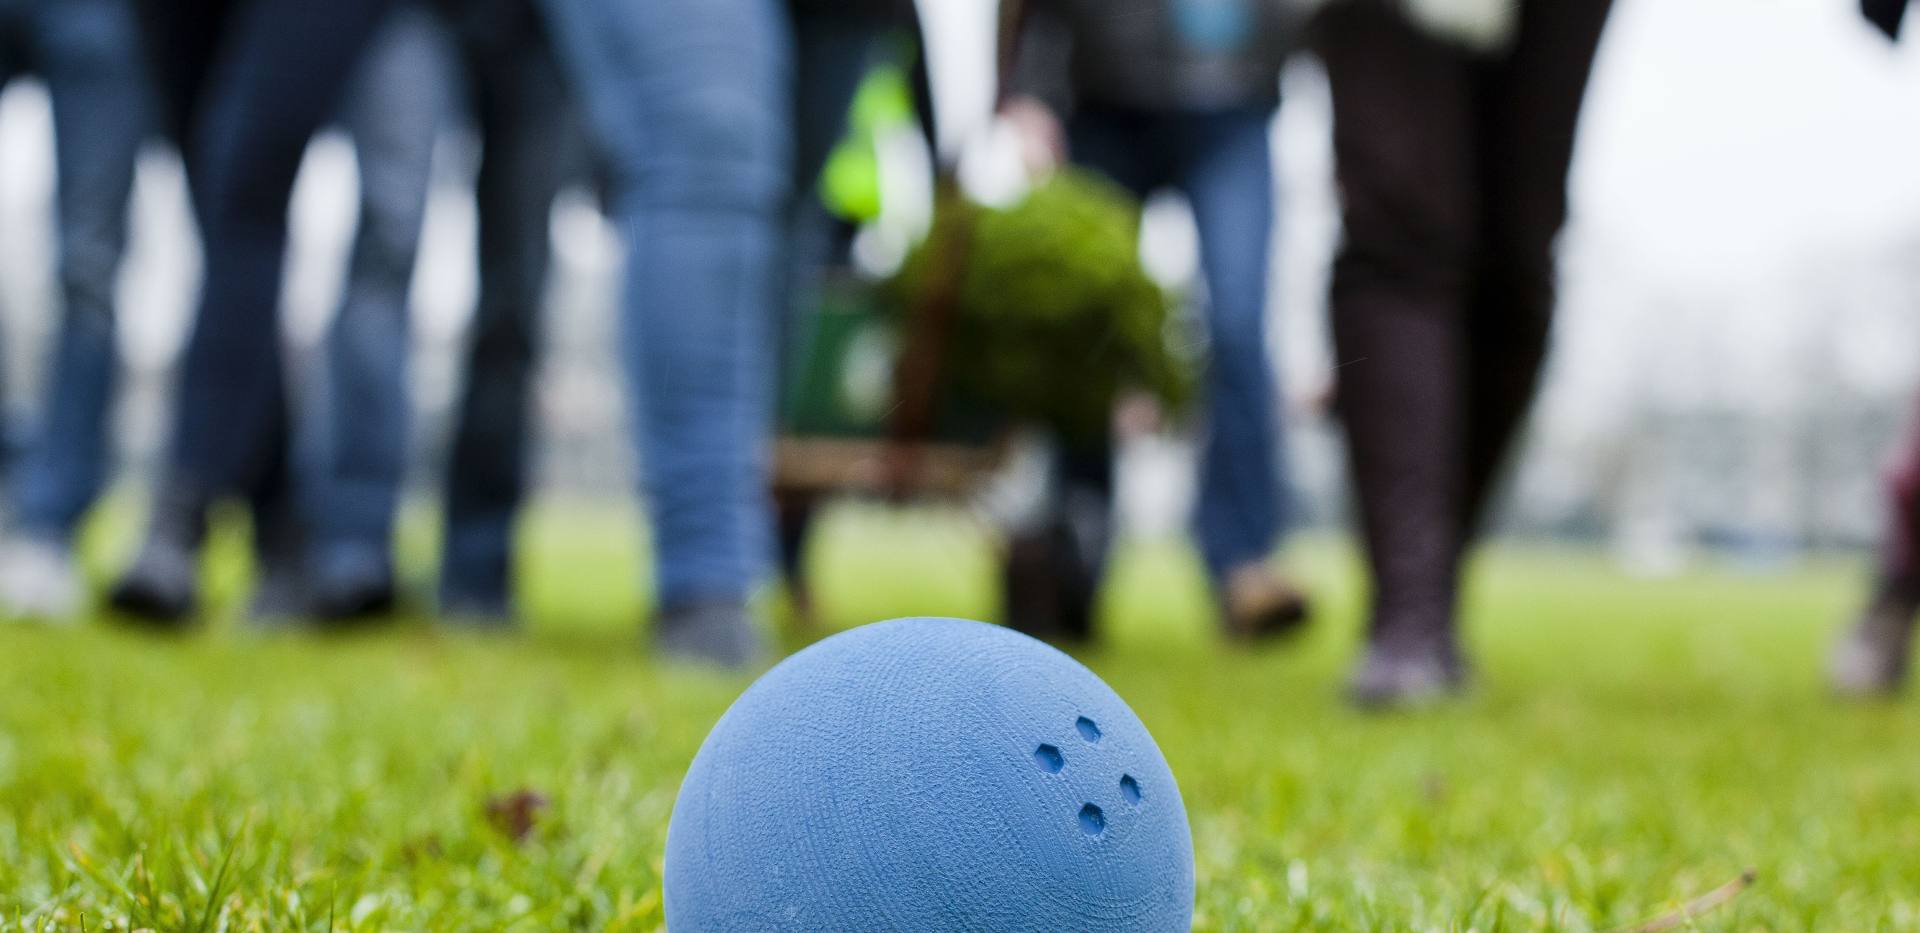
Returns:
point(1885, 14)
point(1151, 54)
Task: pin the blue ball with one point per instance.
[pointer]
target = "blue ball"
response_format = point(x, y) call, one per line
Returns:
point(928, 775)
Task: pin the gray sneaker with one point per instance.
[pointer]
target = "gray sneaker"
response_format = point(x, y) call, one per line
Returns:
point(1394, 677)
point(714, 633)
point(39, 580)
point(1873, 657)
point(161, 587)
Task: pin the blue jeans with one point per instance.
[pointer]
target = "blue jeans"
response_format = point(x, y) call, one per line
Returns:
point(1221, 161)
point(353, 452)
point(87, 52)
point(498, 55)
point(691, 102)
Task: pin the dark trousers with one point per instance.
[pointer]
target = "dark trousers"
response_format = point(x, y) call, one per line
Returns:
point(832, 55)
point(88, 54)
point(1900, 554)
point(246, 84)
point(532, 141)
point(1452, 169)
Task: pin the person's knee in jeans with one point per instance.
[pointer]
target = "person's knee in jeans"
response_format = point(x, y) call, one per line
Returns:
point(704, 200)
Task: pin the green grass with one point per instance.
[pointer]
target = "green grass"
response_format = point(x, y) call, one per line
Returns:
point(1633, 744)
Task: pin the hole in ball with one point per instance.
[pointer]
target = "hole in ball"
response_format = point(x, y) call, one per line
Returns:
point(1088, 730)
point(1130, 789)
point(1049, 759)
point(1092, 821)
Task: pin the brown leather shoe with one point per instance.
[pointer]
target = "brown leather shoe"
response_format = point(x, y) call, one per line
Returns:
point(1260, 604)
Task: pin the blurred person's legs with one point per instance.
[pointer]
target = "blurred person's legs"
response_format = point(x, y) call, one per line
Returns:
point(1226, 171)
point(1051, 576)
point(1900, 559)
point(1874, 657)
point(353, 446)
point(833, 53)
point(530, 135)
point(249, 82)
point(1453, 174)
point(181, 40)
point(692, 103)
point(281, 541)
point(1530, 117)
point(15, 61)
point(1054, 564)
point(1222, 162)
point(87, 51)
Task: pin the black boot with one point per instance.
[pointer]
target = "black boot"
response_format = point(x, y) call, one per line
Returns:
point(1047, 590)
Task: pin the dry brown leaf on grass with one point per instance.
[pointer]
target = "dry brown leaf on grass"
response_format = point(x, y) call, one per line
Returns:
point(516, 814)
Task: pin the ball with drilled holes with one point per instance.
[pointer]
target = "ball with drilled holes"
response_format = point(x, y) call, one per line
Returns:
point(928, 775)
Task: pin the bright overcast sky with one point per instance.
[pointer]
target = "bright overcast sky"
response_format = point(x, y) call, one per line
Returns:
point(1727, 132)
